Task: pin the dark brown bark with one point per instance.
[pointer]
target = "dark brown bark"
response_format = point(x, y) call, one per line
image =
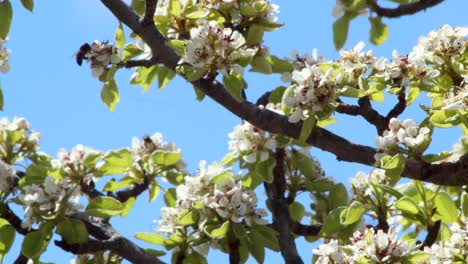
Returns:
point(402, 10)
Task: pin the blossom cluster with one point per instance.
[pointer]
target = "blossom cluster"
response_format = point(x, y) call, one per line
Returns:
point(44, 201)
point(250, 143)
point(455, 247)
point(16, 140)
point(142, 151)
point(361, 183)
point(214, 46)
point(80, 162)
point(458, 150)
point(7, 177)
point(101, 54)
point(214, 191)
point(375, 247)
point(406, 133)
point(4, 57)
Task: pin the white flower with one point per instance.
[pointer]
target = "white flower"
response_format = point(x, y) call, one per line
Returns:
point(251, 143)
point(101, 55)
point(4, 57)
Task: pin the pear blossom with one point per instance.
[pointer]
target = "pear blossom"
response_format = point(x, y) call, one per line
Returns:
point(78, 163)
point(101, 55)
point(4, 57)
point(41, 201)
point(361, 183)
point(251, 143)
point(25, 145)
point(7, 177)
point(456, 99)
point(214, 46)
point(330, 253)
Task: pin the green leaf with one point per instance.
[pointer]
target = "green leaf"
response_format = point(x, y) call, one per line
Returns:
point(261, 64)
point(349, 91)
point(296, 211)
point(138, 6)
point(464, 204)
point(265, 169)
point(166, 158)
point(379, 31)
point(353, 213)
point(155, 239)
point(7, 237)
point(256, 249)
point(446, 209)
point(279, 65)
point(175, 8)
point(266, 236)
point(6, 15)
point(119, 36)
point(304, 164)
point(415, 257)
point(34, 244)
point(407, 205)
point(332, 223)
point(307, 127)
point(127, 206)
point(104, 207)
point(338, 197)
point(445, 118)
point(1, 98)
point(73, 231)
point(112, 185)
point(233, 85)
point(110, 95)
point(219, 232)
point(116, 162)
point(131, 50)
point(413, 93)
point(430, 158)
point(155, 253)
point(252, 180)
point(165, 75)
point(28, 4)
point(394, 168)
point(254, 35)
point(390, 190)
point(154, 190)
point(145, 77)
point(188, 217)
point(170, 197)
point(276, 95)
point(178, 46)
point(326, 122)
point(340, 31)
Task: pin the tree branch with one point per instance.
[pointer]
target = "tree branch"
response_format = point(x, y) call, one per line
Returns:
point(275, 123)
point(233, 244)
point(399, 108)
point(150, 8)
point(432, 233)
point(21, 259)
point(7, 214)
point(281, 218)
point(305, 230)
point(402, 10)
point(112, 240)
point(366, 111)
point(135, 191)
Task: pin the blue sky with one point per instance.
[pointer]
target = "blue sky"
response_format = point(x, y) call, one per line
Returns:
point(62, 100)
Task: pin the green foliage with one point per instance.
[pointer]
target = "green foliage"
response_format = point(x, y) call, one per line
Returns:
point(73, 231)
point(104, 207)
point(6, 15)
point(110, 95)
point(7, 237)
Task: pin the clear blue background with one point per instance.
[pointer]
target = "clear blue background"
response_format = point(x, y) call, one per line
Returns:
point(62, 100)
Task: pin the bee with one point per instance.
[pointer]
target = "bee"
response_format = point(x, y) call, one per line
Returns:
point(80, 55)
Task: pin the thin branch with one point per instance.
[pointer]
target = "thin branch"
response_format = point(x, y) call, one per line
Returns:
point(145, 63)
point(91, 246)
point(87, 186)
point(135, 191)
point(305, 230)
point(432, 233)
point(150, 8)
point(7, 214)
point(403, 9)
point(281, 217)
point(399, 108)
point(455, 174)
point(21, 259)
point(233, 244)
point(371, 115)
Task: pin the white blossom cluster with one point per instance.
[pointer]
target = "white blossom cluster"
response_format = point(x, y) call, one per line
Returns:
point(214, 46)
point(101, 55)
point(251, 143)
point(213, 191)
point(42, 201)
point(406, 133)
point(340, 8)
point(444, 253)
point(371, 246)
point(356, 61)
point(361, 183)
point(457, 99)
point(7, 177)
point(78, 163)
point(4, 57)
point(16, 140)
point(313, 91)
point(142, 151)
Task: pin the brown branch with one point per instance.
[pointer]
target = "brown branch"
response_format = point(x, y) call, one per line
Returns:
point(112, 240)
point(21, 259)
point(365, 110)
point(233, 244)
point(87, 186)
point(402, 10)
point(150, 8)
point(135, 191)
point(399, 108)
point(7, 214)
point(305, 230)
point(281, 218)
point(91, 246)
point(432, 233)
point(145, 63)
point(454, 174)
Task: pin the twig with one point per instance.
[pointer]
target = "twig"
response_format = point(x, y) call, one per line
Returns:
point(135, 191)
point(402, 10)
point(7, 214)
point(305, 230)
point(399, 108)
point(150, 8)
point(21, 259)
point(431, 237)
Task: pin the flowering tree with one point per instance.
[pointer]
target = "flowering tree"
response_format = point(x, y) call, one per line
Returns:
point(210, 43)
